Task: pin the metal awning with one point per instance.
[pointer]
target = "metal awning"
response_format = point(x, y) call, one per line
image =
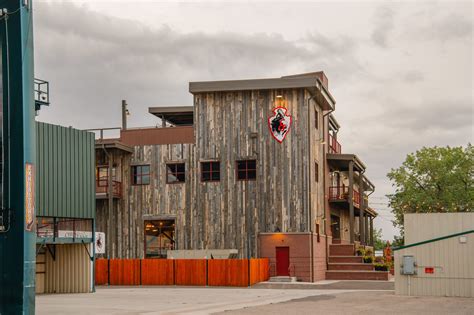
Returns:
point(341, 162)
point(176, 115)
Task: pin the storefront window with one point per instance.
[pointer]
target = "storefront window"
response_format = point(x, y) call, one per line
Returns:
point(159, 238)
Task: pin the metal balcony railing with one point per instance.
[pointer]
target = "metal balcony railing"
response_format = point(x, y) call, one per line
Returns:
point(342, 193)
point(334, 146)
point(102, 187)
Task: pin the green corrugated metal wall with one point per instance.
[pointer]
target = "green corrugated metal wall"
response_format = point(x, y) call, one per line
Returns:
point(65, 179)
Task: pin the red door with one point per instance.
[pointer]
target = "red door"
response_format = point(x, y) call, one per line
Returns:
point(283, 261)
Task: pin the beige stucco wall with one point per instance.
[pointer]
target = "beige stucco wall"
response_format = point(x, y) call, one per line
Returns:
point(451, 259)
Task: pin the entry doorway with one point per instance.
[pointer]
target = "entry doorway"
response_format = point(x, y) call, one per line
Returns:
point(159, 237)
point(283, 261)
point(336, 227)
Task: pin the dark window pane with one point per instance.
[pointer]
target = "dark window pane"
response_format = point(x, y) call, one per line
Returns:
point(145, 179)
point(171, 168)
point(180, 168)
point(215, 166)
point(252, 175)
point(138, 180)
point(216, 176)
point(181, 177)
point(241, 165)
point(241, 175)
point(206, 166)
point(206, 176)
point(146, 169)
point(251, 164)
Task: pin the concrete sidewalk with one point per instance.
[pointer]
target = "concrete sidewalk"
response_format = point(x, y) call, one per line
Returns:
point(329, 285)
point(167, 300)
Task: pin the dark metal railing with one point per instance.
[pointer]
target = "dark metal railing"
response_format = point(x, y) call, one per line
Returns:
point(342, 193)
point(102, 187)
point(334, 146)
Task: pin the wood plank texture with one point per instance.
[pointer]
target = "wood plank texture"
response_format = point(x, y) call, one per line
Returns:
point(157, 272)
point(124, 271)
point(190, 272)
point(228, 272)
point(101, 271)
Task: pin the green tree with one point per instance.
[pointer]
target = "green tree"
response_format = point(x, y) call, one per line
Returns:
point(433, 180)
point(379, 243)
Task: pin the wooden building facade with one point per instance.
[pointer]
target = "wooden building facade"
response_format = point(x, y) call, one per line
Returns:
point(214, 176)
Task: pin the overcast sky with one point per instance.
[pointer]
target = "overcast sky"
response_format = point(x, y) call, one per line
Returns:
point(401, 73)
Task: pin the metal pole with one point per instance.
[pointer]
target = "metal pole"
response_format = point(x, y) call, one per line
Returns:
point(18, 238)
point(124, 115)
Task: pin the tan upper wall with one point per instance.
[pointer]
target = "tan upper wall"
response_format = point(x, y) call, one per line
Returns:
point(424, 226)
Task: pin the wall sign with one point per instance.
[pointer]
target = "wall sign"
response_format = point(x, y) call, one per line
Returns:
point(29, 197)
point(279, 124)
point(99, 242)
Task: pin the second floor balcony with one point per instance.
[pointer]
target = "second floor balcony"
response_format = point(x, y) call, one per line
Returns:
point(102, 189)
point(341, 193)
point(334, 147)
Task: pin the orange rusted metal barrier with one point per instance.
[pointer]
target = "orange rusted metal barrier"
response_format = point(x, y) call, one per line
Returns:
point(190, 272)
point(124, 271)
point(259, 270)
point(101, 271)
point(157, 272)
point(228, 272)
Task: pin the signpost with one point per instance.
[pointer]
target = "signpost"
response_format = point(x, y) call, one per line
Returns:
point(18, 154)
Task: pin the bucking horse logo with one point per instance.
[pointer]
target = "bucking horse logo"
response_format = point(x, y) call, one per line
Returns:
point(279, 124)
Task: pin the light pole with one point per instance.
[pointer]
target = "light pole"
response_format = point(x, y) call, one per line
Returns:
point(18, 157)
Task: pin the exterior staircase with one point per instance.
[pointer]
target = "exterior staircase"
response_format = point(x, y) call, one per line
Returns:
point(345, 265)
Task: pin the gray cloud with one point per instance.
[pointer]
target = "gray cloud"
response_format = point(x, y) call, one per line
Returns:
point(383, 25)
point(389, 101)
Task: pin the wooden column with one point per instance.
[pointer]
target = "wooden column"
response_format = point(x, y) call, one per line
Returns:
point(361, 210)
point(371, 231)
point(124, 115)
point(366, 228)
point(351, 201)
point(110, 195)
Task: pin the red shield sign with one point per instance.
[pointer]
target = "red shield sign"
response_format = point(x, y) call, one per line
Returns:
point(279, 124)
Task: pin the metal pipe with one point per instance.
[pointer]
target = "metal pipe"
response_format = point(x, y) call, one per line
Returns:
point(124, 115)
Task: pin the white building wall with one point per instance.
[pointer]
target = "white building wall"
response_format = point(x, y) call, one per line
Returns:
point(424, 226)
point(452, 258)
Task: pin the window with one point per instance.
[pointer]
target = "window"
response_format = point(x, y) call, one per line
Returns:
point(141, 175)
point(210, 171)
point(316, 171)
point(316, 119)
point(246, 170)
point(159, 237)
point(175, 173)
point(102, 176)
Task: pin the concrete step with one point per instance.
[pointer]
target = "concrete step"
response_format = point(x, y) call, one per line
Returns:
point(336, 241)
point(341, 250)
point(346, 266)
point(282, 279)
point(356, 275)
point(346, 259)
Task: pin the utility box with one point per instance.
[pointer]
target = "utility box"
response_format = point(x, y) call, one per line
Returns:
point(408, 267)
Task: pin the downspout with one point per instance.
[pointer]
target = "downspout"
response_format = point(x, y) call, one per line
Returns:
point(326, 204)
point(109, 188)
point(310, 219)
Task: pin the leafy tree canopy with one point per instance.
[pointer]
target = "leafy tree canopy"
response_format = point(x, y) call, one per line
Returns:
point(433, 180)
point(379, 243)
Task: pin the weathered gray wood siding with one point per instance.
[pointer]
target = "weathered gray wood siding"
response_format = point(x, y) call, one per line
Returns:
point(229, 126)
point(232, 126)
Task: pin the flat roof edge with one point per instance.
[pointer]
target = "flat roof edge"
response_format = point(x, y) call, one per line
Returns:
point(254, 84)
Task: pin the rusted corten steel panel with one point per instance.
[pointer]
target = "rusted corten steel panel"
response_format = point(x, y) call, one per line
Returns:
point(65, 172)
point(228, 272)
point(153, 136)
